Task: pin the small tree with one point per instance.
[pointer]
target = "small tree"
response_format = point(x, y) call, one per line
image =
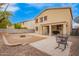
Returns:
point(17, 26)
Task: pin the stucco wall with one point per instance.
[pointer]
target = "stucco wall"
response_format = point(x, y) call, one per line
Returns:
point(57, 15)
point(29, 24)
point(10, 27)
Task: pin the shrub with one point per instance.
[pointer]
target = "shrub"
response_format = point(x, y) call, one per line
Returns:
point(17, 26)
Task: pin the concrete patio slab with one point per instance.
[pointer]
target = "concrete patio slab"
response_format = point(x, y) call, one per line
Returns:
point(48, 46)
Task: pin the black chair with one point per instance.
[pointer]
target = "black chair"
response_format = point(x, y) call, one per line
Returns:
point(62, 39)
point(55, 32)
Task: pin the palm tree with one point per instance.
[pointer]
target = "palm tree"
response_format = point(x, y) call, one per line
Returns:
point(5, 20)
point(3, 14)
point(4, 17)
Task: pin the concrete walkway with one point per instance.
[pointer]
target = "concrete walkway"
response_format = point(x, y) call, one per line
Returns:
point(48, 46)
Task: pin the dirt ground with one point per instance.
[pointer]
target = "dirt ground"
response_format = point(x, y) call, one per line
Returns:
point(21, 50)
point(74, 50)
point(27, 50)
point(15, 38)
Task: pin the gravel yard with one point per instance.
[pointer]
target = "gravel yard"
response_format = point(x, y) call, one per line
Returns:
point(21, 50)
point(74, 51)
point(22, 38)
point(27, 50)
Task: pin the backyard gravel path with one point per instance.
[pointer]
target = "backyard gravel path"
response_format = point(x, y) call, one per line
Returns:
point(21, 50)
point(15, 39)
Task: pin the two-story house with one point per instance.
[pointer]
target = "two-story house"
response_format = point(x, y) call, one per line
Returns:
point(54, 20)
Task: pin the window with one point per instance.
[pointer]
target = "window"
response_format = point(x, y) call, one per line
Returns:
point(41, 19)
point(45, 18)
point(36, 21)
point(36, 28)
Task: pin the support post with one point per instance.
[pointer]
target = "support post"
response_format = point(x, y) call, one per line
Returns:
point(50, 30)
point(64, 29)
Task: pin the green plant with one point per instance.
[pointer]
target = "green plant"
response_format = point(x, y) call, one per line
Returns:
point(5, 21)
point(17, 26)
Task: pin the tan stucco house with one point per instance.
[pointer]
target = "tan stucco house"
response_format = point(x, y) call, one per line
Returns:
point(28, 24)
point(54, 20)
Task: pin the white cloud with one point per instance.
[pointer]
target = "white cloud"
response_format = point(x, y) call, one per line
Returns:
point(11, 7)
point(75, 25)
point(40, 5)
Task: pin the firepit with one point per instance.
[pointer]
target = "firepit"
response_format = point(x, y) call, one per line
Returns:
point(23, 36)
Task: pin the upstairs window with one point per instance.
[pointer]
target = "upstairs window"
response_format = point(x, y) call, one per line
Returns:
point(45, 18)
point(41, 19)
point(36, 21)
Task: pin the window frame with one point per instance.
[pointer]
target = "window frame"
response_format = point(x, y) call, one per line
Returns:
point(45, 18)
point(41, 19)
point(36, 21)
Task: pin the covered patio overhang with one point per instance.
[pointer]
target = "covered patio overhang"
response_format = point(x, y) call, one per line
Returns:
point(48, 28)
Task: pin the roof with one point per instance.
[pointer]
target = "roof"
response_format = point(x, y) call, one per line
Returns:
point(26, 21)
point(51, 9)
point(57, 8)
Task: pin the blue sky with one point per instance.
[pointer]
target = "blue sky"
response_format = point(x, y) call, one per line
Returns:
point(28, 11)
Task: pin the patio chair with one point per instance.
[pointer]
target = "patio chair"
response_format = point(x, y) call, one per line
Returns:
point(62, 39)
